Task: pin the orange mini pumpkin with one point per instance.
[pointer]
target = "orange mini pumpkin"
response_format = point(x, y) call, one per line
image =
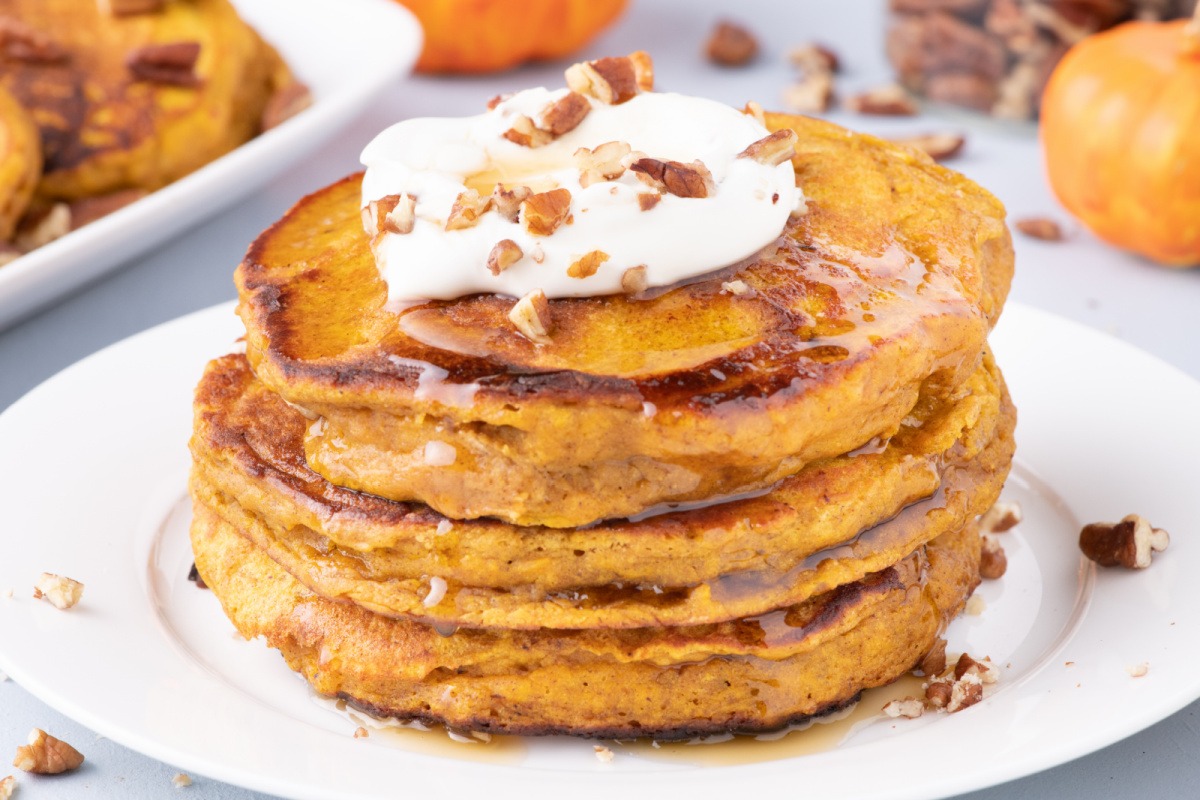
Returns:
point(489, 35)
point(1121, 136)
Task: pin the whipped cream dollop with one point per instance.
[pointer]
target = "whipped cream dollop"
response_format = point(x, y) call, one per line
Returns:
point(612, 225)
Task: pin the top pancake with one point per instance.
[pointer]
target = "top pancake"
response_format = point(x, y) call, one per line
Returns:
point(884, 291)
point(102, 129)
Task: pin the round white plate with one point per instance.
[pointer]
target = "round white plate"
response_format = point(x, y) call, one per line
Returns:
point(92, 470)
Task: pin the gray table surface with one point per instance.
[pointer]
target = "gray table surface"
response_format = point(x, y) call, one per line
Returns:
point(1155, 309)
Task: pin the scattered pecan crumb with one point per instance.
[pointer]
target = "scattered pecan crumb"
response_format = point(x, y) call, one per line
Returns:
point(1129, 543)
point(648, 200)
point(975, 606)
point(361, 733)
point(544, 212)
point(526, 134)
point(503, 255)
point(124, 8)
point(603, 753)
point(181, 780)
point(890, 100)
point(171, 63)
point(965, 692)
point(812, 94)
point(531, 317)
point(8, 785)
point(586, 267)
point(634, 280)
point(20, 42)
point(60, 592)
point(507, 202)
point(1138, 670)
point(606, 162)
point(938, 146)
point(497, 100)
point(45, 755)
point(1001, 517)
point(773, 149)
point(984, 669)
point(1042, 228)
point(934, 662)
point(993, 563)
point(737, 287)
point(909, 707)
point(285, 103)
point(681, 180)
point(612, 80)
point(731, 45)
point(565, 114)
point(194, 577)
point(814, 57)
point(36, 230)
point(467, 209)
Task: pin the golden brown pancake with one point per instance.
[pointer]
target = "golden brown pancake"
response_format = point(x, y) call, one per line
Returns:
point(831, 523)
point(880, 295)
point(747, 675)
point(20, 162)
point(104, 129)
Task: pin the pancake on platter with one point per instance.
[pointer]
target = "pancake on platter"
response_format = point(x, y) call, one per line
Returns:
point(877, 298)
point(749, 675)
point(832, 523)
point(134, 101)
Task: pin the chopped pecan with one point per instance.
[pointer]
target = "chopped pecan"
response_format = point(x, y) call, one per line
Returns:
point(984, 669)
point(1130, 543)
point(909, 707)
point(731, 45)
point(172, 63)
point(393, 213)
point(890, 100)
point(938, 146)
point(8, 785)
point(1042, 228)
point(565, 114)
point(612, 80)
point(586, 266)
point(812, 94)
point(507, 202)
point(531, 316)
point(965, 692)
point(36, 230)
point(467, 209)
point(648, 200)
point(45, 755)
point(634, 280)
point(503, 255)
point(681, 180)
point(604, 163)
point(20, 42)
point(60, 592)
point(814, 57)
point(544, 212)
point(993, 563)
point(937, 694)
point(526, 134)
point(735, 287)
point(285, 103)
point(774, 149)
point(1000, 517)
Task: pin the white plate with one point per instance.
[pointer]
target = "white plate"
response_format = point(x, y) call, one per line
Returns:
point(92, 465)
point(348, 52)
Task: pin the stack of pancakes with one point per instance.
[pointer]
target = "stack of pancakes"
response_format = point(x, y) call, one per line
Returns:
point(723, 506)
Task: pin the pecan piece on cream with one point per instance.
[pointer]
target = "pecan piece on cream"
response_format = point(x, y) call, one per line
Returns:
point(774, 149)
point(170, 63)
point(467, 209)
point(586, 266)
point(648, 200)
point(507, 202)
point(1130, 543)
point(526, 134)
point(393, 213)
point(565, 114)
point(890, 100)
point(731, 45)
point(634, 280)
point(612, 80)
point(681, 180)
point(531, 316)
point(503, 255)
point(604, 163)
point(544, 212)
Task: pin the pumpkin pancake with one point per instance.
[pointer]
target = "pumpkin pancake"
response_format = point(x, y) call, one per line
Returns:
point(20, 162)
point(832, 523)
point(747, 675)
point(876, 300)
point(104, 128)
